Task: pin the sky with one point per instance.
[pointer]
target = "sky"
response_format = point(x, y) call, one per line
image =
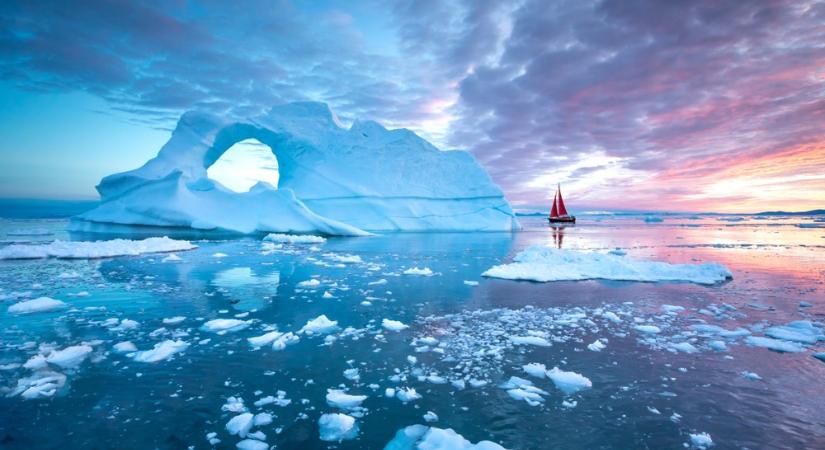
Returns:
point(676, 105)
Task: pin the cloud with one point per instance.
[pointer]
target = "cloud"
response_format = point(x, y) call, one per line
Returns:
point(616, 99)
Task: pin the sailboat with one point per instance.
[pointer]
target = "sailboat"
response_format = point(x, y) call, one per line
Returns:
point(558, 214)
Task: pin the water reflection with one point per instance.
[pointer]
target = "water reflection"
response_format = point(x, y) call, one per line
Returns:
point(245, 289)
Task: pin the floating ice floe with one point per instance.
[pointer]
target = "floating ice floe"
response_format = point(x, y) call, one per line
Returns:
point(173, 320)
point(294, 238)
point(801, 331)
point(42, 383)
point(240, 424)
point(337, 427)
point(568, 382)
point(69, 357)
point(520, 389)
point(393, 325)
point(124, 347)
point(540, 263)
point(407, 395)
point(94, 249)
point(529, 340)
point(252, 444)
point(338, 398)
point(311, 283)
point(223, 326)
point(596, 346)
point(161, 351)
point(431, 438)
point(319, 325)
point(41, 304)
point(776, 345)
point(426, 272)
point(701, 440)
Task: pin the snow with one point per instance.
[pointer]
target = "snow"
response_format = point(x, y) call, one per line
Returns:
point(393, 325)
point(69, 357)
point(337, 427)
point(773, 344)
point(339, 399)
point(294, 238)
point(540, 263)
point(422, 437)
point(222, 326)
point(319, 325)
point(161, 351)
point(40, 304)
point(568, 382)
point(701, 440)
point(332, 181)
point(426, 272)
point(96, 249)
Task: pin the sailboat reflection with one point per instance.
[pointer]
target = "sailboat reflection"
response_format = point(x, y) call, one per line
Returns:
point(558, 236)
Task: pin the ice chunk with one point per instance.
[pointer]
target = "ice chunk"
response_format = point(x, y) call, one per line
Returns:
point(252, 444)
point(393, 325)
point(43, 383)
point(540, 263)
point(430, 417)
point(264, 339)
point(174, 320)
point(311, 283)
point(422, 437)
point(124, 347)
point(94, 249)
point(223, 326)
point(773, 344)
point(416, 271)
point(294, 238)
point(801, 331)
point(69, 357)
point(337, 427)
point(529, 340)
point(407, 394)
point(339, 399)
point(162, 350)
point(648, 329)
point(596, 346)
point(319, 325)
point(40, 304)
point(172, 258)
point(240, 424)
point(535, 370)
point(568, 382)
point(685, 347)
point(701, 440)
point(750, 375)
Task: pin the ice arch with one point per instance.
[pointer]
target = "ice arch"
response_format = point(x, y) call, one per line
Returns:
point(333, 180)
point(243, 165)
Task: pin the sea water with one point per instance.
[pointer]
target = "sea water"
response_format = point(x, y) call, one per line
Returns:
point(464, 339)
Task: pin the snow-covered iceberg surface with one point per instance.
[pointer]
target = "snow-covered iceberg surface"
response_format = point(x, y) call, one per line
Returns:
point(94, 249)
point(332, 180)
point(539, 263)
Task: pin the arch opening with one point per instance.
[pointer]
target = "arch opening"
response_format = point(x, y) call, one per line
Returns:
point(245, 164)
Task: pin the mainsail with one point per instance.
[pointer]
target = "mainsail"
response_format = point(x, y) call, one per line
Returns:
point(562, 209)
point(554, 212)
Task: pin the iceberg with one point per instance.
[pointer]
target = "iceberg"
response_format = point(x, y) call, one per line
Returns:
point(540, 263)
point(40, 304)
point(332, 181)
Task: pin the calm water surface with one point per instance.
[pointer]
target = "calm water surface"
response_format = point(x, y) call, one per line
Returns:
point(643, 395)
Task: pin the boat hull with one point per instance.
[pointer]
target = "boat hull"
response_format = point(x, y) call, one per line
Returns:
point(567, 219)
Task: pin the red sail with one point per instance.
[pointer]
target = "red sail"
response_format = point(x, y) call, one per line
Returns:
point(554, 212)
point(562, 209)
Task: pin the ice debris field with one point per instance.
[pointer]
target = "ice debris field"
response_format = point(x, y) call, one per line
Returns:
point(408, 341)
